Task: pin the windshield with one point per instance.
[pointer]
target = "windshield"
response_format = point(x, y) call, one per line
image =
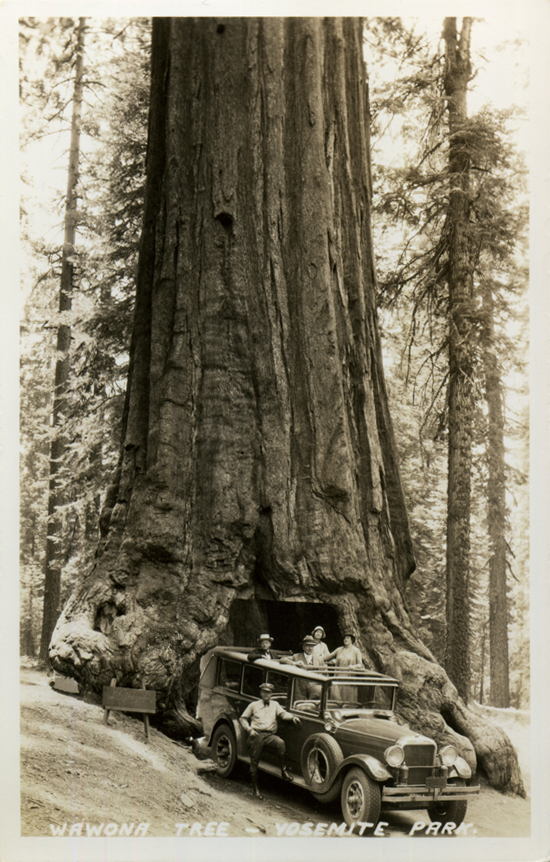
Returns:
point(360, 696)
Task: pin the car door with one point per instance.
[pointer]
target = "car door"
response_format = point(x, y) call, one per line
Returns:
point(309, 712)
point(222, 696)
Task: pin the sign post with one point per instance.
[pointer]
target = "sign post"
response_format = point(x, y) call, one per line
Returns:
point(129, 700)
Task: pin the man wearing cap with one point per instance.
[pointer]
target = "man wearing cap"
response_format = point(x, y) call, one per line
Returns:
point(259, 719)
point(303, 688)
point(306, 658)
point(263, 650)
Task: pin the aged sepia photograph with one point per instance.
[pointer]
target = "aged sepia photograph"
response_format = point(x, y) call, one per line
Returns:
point(275, 431)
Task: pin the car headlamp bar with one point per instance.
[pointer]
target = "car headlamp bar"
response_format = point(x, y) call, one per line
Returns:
point(394, 755)
point(448, 755)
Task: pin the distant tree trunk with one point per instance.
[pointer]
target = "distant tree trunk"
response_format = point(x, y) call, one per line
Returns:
point(258, 452)
point(496, 513)
point(27, 634)
point(28, 550)
point(482, 664)
point(461, 315)
point(52, 574)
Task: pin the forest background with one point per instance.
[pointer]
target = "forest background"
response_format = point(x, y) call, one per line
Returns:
point(404, 62)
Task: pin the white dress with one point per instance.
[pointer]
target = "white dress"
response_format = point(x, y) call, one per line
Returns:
point(346, 656)
point(320, 652)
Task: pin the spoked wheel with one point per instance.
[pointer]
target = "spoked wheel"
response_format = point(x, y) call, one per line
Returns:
point(224, 750)
point(321, 757)
point(453, 811)
point(360, 798)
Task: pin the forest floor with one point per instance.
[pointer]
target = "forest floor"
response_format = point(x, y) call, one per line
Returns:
point(80, 777)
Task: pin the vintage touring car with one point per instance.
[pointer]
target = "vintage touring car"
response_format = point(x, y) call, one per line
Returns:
point(348, 745)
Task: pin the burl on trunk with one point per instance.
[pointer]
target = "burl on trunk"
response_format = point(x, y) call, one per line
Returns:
point(258, 452)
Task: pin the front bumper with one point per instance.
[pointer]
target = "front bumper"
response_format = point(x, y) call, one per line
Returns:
point(398, 795)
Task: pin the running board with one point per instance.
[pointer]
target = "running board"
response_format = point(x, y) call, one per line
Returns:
point(275, 770)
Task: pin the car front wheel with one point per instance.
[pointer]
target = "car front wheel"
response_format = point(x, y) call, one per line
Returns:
point(360, 798)
point(453, 811)
point(224, 750)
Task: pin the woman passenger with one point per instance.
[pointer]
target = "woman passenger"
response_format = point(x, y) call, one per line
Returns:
point(320, 650)
point(348, 657)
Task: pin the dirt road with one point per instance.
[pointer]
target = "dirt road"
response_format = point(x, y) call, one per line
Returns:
point(79, 777)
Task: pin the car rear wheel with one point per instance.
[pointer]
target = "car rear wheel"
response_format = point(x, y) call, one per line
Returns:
point(224, 750)
point(453, 811)
point(360, 798)
point(321, 757)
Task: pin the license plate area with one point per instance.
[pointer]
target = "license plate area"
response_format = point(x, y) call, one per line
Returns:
point(433, 781)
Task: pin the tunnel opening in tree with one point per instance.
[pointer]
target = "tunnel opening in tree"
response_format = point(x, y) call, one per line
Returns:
point(287, 622)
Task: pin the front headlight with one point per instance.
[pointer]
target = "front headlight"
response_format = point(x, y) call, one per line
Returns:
point(394, 755)
point(448, 755)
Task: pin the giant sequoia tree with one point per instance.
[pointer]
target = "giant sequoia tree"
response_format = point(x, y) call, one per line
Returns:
point(258, 481)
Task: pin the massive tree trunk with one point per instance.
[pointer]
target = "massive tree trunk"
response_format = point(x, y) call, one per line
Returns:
point(258, 467)
point(496, 513)
point(458, 72)
point(52, 570)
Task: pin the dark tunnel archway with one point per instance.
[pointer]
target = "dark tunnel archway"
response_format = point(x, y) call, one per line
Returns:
point(287, 622)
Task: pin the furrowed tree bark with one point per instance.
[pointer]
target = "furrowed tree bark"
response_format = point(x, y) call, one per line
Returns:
point(52, 570)
point(496, 513)
point(258, 452)
point(461, 348)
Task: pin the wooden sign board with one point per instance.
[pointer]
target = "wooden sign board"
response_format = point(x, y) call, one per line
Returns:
point(65, 684)
point(129, 699)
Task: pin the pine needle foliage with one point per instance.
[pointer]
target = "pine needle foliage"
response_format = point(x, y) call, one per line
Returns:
point(412, 185)
point(110, 195)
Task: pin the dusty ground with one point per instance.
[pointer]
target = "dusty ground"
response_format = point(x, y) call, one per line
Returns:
point(80, 777)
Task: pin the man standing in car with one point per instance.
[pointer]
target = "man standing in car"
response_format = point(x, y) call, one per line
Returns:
point(306, 658)
point(259, 719)
point(263, 650)
point(305, 688)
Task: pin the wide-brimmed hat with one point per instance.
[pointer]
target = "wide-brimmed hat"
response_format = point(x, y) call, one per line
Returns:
point(349, 635)
point(319, 629)
point(265, 638)
point(267, 686)
point(308, 640)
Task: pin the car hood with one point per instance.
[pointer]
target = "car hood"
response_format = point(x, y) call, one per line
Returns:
point(381, 729)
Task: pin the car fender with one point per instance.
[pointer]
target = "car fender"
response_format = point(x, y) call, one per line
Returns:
point(233, 721)
point(460, 769)
point(372, 766)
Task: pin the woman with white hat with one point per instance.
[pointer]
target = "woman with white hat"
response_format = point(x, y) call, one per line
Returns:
point(320, 650)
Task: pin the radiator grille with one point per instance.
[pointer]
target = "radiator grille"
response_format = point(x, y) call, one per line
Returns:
point(420, 759)
point(420, 755)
